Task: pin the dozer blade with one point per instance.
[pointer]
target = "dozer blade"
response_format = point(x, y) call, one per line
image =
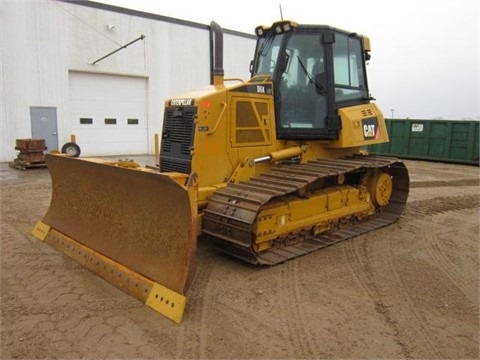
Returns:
point(136, 229)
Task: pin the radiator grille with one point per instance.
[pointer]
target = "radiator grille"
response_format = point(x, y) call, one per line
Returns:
point(177, 139)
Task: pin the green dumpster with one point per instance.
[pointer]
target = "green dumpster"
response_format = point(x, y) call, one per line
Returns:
point(437, 140)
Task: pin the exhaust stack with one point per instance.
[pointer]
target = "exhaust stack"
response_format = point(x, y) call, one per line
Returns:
point(216, 48)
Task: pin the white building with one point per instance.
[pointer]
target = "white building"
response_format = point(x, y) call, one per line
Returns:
point(53, 85)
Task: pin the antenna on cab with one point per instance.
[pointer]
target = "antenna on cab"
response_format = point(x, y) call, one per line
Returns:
point(281, 13)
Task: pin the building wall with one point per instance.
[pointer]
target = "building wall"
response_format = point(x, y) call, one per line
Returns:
point(44, 42)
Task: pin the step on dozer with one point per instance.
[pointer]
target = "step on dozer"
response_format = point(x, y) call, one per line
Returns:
point(137, 229)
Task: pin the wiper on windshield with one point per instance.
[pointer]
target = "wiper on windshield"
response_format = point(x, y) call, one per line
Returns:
point(310, 77)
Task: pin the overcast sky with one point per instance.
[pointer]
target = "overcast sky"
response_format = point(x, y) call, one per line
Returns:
point(425, 53)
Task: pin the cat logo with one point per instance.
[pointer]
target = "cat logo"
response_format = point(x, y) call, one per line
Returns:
point(370, 128)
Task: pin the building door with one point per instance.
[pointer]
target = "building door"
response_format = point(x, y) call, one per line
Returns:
point(44, 125)
point(108, 113)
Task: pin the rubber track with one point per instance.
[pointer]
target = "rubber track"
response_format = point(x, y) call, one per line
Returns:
point(231, 212)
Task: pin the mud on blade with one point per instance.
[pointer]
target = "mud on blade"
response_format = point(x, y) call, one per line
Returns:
point(136, 229)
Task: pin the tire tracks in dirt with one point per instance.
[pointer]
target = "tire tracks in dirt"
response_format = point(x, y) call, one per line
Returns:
point(441, 260)
point(213, 305)
point(445, 183)
point(41, 291)
point(436, 209)
point(191, 341)
point(388, 291)
point(441, 204)
point(291, 299)
point(270, 339)
point(389, 297)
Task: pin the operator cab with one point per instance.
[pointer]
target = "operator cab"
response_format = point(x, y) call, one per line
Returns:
point(315, 70)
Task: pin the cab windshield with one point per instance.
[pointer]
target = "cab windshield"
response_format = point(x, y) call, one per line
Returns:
point(268, 50)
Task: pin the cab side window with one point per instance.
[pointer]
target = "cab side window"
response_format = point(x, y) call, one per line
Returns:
point(349, 74)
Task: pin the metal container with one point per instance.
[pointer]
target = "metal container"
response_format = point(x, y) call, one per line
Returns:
point(439, 140)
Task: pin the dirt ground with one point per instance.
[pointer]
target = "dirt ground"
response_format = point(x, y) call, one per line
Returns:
point(408, 291)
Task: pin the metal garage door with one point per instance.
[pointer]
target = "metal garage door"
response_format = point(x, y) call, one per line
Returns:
point(108, 113)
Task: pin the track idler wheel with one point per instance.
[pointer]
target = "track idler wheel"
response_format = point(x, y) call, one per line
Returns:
point(380, 187)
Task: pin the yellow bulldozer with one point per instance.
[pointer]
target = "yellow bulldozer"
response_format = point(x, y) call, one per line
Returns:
point(266, 170)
